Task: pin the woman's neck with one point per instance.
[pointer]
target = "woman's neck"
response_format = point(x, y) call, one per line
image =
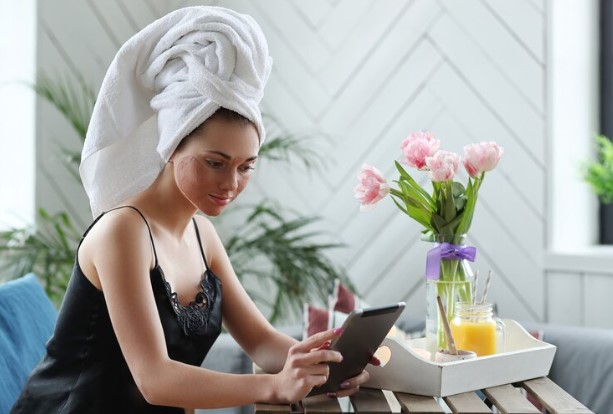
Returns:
point(164, 204)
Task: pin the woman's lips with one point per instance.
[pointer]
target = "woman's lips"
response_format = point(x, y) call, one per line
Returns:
point(221, 200)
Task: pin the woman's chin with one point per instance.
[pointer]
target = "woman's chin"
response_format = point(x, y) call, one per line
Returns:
point(211, 214)
point(211, 211)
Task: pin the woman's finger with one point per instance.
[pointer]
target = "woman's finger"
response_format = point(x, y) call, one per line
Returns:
point(346, 392)
point(318, 356)
point(375, 361)
point(352, 385)
point(316, 375)
point(315, 341)
point(323, 380)
point(356, 381)
point(318, 369)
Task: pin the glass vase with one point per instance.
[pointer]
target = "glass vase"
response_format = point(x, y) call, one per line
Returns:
point(454, 284)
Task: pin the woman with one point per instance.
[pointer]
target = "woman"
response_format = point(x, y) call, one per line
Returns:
point(176, 129)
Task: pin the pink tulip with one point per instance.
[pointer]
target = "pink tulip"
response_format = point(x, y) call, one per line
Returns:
point(372, 187)
point(416, 147)
point(481, 157)
point(443, 165)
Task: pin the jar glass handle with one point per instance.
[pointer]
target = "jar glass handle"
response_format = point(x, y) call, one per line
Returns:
point(501, 336)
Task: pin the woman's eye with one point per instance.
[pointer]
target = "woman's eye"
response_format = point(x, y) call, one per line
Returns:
point(215, 164)
point(247, 168)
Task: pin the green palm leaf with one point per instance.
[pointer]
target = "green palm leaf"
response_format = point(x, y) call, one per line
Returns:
point(268, 248)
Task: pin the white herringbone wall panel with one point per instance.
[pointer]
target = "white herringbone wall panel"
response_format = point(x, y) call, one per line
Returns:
point(356, 76)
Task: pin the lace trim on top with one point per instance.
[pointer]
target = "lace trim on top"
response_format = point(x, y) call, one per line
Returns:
point(194, 318)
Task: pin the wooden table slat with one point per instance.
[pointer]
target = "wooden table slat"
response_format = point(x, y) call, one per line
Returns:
point(509, 400)
point(370, 401)
point(554, 398)
point(321, 404)
point(418, 404)
point(467, 402)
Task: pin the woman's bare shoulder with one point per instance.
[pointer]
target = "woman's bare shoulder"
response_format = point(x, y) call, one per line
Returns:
point(122, 234)
point(204, 221)
point(124, 225)
point(206, 227)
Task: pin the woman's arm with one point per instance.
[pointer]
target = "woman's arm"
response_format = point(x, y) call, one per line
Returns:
point(120, 252)
point(266, 346)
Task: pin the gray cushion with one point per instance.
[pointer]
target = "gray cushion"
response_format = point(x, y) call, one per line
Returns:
point(583, 364)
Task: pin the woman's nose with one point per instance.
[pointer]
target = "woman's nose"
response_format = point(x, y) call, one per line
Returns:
point(230, 181)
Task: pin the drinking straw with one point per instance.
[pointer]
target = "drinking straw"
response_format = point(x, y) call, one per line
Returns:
point(450, 341)
point(475, 287)
point(487, 285)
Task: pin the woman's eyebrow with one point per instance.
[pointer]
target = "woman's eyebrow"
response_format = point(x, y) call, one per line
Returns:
point(227, 157)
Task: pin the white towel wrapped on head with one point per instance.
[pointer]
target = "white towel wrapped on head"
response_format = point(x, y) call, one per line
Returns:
point(163, 83)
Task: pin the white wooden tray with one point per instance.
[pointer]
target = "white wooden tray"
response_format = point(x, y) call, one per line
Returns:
point(524, 357)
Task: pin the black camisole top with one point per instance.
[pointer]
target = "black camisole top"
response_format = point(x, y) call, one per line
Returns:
point(84, 370)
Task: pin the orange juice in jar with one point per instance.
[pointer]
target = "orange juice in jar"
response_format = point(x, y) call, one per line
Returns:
point(475, 329)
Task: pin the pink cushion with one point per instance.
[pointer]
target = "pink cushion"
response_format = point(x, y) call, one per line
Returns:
point(340, 303)
point(315, 320)
point(342, 299)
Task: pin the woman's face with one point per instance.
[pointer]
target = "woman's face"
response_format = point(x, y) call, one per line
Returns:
point(215, 164)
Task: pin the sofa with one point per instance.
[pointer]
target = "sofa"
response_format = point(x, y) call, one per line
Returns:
point(583, 364)
point(27, 319)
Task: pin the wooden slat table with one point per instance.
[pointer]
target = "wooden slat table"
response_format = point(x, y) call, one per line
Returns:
point(511, 399)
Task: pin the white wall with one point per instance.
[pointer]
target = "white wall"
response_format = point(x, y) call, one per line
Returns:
point(362, 76)
point(17, 100)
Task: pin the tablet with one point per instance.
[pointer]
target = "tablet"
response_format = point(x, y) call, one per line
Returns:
point(363, 332)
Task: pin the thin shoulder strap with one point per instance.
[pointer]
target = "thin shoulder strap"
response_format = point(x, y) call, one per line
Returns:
point(155, 255)
point(200, 243)
point(89, 228)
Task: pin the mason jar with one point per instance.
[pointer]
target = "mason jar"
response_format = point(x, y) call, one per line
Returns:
point(474, 328)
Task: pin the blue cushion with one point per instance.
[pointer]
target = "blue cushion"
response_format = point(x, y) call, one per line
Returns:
point(27, 318)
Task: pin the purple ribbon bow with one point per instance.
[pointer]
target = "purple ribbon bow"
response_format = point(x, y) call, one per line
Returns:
point(446, 251)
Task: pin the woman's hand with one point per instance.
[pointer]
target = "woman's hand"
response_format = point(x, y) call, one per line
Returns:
point(306, 367)
point(352, 385)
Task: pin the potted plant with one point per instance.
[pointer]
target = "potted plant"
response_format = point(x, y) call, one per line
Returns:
point(270, 246)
